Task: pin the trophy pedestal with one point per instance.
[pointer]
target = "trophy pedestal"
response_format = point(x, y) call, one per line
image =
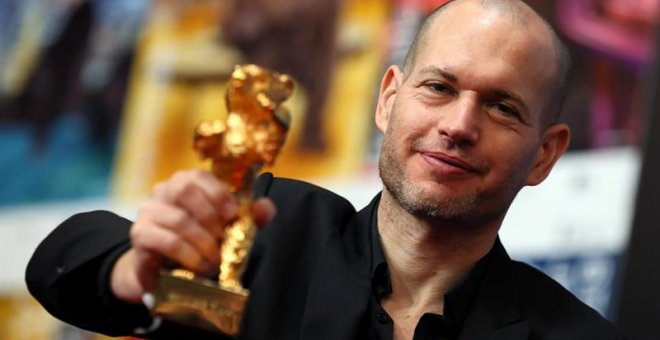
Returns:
point(199, 303)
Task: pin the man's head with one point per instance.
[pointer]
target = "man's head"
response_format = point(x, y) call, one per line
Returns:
point(467, 123)
point(518, 12)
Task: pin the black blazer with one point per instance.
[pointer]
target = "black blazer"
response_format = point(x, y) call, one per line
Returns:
point(308, 275)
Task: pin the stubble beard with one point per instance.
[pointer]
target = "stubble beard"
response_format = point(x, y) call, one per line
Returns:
point(433, 207)
point(413, 198)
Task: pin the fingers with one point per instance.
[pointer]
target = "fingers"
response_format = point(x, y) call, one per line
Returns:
point(202, 196)
point(156, 244)
point(263, 210)
point(158, 215)
point(184, 221)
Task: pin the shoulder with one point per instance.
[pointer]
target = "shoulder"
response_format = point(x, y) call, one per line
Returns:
point(539, 290)
point(305, 212)
point(303, 199)
point(283, 260)
point(553, 310)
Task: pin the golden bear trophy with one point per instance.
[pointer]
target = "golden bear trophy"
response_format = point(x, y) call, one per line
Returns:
point(250, 137)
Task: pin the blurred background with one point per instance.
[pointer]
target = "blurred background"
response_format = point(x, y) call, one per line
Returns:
point(99, 98)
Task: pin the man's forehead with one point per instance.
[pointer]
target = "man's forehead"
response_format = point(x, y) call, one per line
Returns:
point(514, 12)
point(472, 28)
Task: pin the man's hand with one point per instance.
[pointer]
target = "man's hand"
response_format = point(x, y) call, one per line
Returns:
point(184, 222)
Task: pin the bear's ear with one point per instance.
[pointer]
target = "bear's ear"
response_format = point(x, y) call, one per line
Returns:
point(288, 85)
point(236, 82)
point(280, 88)
point(239, 72)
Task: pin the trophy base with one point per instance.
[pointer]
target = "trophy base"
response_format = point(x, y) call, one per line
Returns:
point(198, 303)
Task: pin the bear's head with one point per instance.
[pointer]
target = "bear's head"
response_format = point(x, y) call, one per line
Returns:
point(253, 87)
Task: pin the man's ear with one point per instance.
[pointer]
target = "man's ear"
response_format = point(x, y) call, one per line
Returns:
point(389, 87)
point(554, 143)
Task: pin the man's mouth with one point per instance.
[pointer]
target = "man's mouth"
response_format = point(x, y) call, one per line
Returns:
point(446, 162)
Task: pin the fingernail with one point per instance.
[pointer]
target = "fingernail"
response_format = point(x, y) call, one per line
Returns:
point(149, 300)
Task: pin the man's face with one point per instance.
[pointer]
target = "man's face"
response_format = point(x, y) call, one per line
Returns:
point(462, 129)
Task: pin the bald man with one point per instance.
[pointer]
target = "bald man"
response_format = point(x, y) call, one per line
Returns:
point(470, 119)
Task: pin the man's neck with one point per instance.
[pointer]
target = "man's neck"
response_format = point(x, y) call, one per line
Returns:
point(426, 259)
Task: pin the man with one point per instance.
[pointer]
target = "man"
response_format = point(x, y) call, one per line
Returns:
point(469, 121)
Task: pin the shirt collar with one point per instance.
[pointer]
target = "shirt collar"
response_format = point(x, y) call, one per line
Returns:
point(457, 300)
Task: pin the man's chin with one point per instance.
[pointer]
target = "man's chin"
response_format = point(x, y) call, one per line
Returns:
point(434, 205)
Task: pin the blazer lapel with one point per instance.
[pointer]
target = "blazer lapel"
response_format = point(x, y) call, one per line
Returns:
point(340, 289)
point(495, 312)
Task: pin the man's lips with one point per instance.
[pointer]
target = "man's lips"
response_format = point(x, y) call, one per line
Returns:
point(440, 159)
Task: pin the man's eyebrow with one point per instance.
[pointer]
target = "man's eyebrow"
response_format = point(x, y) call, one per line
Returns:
point(434, 70)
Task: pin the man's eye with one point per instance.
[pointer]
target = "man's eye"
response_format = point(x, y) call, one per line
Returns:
point(506, 109)
point(440, 88)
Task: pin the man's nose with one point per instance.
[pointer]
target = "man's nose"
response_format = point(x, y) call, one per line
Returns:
point(460, 122)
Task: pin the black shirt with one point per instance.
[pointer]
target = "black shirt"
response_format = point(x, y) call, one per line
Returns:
point(447, 326)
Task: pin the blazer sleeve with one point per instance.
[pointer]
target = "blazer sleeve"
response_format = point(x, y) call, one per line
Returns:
point(66, 271)
point(69, 274)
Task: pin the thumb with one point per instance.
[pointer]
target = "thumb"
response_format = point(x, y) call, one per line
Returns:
point(263, 210)
point(126, 282)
